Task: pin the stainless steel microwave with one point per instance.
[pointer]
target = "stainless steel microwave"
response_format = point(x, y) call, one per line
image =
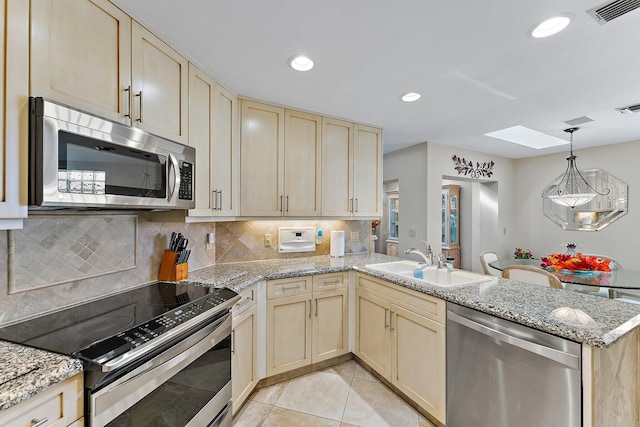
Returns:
point(77, 160)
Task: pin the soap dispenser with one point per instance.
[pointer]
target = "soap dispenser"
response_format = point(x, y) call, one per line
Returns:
point(319, 237)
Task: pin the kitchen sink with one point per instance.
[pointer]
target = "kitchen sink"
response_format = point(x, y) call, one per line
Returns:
point(432, 275)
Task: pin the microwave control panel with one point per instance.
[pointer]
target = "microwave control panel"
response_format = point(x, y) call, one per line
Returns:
point(186, 181)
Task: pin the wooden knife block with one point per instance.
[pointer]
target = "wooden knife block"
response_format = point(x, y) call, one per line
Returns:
point(169, 270)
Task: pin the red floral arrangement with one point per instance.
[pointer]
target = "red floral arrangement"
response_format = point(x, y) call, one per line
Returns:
point(575, 262)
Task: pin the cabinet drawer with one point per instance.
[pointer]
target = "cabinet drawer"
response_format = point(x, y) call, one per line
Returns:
point(247, 300)
point(327, 282)
point(61, 405)
point(287, 287)
point(426, 305)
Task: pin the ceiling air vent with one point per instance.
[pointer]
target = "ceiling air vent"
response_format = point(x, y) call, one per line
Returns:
point(611, 10)
point(579, 121)
point(630, 109)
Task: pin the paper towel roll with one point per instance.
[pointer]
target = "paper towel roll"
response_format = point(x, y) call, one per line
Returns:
point(337, 243)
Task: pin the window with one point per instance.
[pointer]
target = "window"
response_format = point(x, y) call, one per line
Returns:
point(393, 215)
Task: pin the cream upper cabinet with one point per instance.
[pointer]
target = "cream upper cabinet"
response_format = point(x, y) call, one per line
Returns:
point(212, 124)
point(352, 169)
point(92, 56)
point(337, 145)
point(225, 149)
point(280, 161)
point(367, 171)
point(261, 157)
point(14, 108)
point(81, 55)
point(159, 86)
point(401, 335)
point(302, 166)
point(307, 321)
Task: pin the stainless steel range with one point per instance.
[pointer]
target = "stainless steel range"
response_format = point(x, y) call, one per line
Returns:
point(159, 355)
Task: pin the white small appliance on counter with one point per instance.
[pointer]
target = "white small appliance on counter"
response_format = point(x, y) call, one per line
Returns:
point(296, 239)
point(337, 244)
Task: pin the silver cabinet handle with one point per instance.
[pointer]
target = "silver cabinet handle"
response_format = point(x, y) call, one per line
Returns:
point(386, 325)
point(41, 422)
point(128, 104)
point(139, 119)
point(310, 310)
point(281, 205)
point(333, 282)
point(245, 302)
point(357, 205)
point(287, 203)
point(288, 288)
point(391, 321)
point(316, 307)
point(220, 204)
point(233, 341)
point(351, 204)
point(214, 195)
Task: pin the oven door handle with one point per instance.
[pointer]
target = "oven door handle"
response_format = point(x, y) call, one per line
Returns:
point(218, 420)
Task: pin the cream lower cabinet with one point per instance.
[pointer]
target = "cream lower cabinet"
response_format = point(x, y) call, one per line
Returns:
point(60, 405)
point(401, 335)
point(244, 323)
point(307, 321)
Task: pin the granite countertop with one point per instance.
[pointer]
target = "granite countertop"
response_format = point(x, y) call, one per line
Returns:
point(26, 371)
point(523, 303)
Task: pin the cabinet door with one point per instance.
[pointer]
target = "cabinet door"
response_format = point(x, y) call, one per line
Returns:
point(160, 79)
point(330, 322)
point(418, 359)
point(14, 108)
point(288, 333)
point(243, 356)
point(261, 154)
point(81, 55)
point(367, 171)
point(224, 173)
point(373, 343)
point(302, 178)
point(201, 90)
point(337, 142)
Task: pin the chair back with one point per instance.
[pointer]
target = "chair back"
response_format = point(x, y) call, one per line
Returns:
point(485, 258)
point(528, 274)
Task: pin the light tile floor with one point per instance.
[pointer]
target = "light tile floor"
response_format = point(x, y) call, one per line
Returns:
point(342, 395)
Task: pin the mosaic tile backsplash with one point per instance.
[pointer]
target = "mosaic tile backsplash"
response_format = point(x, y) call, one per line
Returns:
point(60, 260)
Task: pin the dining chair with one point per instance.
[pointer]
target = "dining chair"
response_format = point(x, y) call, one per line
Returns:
point(528, 274)
point(485, 258)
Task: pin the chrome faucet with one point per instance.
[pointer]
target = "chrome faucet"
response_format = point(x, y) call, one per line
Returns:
point(428, 258)
point(444, 264)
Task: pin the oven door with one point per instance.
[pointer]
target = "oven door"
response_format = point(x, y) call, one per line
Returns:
point(187, 385)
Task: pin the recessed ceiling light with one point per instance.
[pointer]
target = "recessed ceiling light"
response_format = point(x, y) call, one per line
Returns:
point(410, 97)
point(551, 26)
point(301, 63)
point(528, 137)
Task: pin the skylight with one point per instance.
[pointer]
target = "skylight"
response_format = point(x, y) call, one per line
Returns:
point(527, 137)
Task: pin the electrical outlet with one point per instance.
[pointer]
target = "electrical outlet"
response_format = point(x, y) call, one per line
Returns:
point(267, 240)
point(355, 236)
point(210, 240)
point(209, 246)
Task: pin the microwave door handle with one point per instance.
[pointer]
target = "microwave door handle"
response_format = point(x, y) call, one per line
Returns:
point(173, 164)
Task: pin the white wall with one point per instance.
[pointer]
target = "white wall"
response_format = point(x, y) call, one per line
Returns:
point(420, 170)
point(409, 167)
point(538, 233)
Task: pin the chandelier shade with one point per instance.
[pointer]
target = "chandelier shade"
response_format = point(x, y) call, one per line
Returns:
point(572, 189)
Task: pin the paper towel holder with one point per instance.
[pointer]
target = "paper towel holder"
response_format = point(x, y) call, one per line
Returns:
point(337, 244)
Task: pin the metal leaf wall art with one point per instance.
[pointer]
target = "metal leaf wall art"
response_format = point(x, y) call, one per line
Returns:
point(465, 167)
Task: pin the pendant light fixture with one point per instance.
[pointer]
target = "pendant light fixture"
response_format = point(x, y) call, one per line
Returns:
point(572, 189)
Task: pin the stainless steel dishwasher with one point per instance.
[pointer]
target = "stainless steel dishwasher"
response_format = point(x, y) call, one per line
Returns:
point(502, 374)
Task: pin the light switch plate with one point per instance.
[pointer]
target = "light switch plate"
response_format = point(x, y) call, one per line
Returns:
point(267, 240)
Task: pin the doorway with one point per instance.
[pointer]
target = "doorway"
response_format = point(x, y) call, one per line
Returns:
point(478, 230)
point(387, 232)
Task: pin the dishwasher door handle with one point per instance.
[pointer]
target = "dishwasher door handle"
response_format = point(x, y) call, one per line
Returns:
point(561, 357)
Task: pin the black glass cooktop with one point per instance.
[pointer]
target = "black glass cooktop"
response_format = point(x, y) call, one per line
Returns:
point(144, 313)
